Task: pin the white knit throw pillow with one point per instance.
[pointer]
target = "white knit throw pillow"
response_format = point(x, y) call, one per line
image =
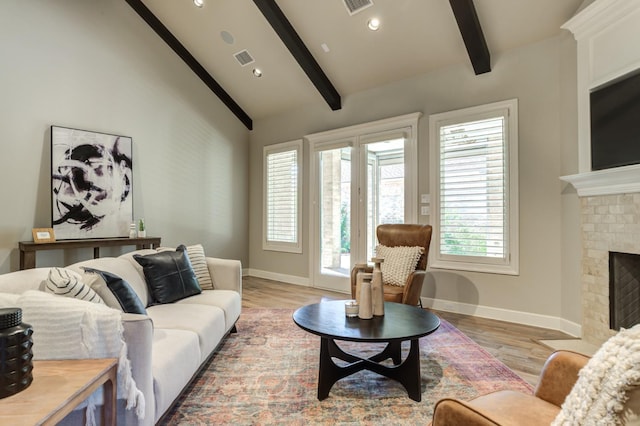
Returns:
point(399, 263)
point(65, 282)
point(604, 384)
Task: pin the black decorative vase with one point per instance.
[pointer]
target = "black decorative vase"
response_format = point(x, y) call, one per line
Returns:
point(16, 356)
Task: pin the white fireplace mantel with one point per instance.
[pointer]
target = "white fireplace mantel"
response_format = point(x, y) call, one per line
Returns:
point(619, 180)
point(606, 32)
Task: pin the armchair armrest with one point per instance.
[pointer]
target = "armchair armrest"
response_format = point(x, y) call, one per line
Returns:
point(452, 412)
point(413, 288)
point(559, 374)
point(225, 273)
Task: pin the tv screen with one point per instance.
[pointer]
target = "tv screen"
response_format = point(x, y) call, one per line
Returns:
point(615, 124)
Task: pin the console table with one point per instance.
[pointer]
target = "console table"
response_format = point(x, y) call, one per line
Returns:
point(60, 386)
point(28, 249)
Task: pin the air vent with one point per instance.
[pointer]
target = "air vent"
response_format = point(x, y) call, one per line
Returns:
point(355, 6)
point(244, 58)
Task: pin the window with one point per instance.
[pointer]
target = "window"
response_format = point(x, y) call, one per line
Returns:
point(282, 197)
point(474, 180)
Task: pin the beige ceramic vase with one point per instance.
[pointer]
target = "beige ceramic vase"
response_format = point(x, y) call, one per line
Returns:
point(377, 289)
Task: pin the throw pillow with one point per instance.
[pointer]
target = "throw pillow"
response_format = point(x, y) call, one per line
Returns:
point(116, 292)
point(65, 282)
point(199, 265)
point(169, 275)
point(399, 263)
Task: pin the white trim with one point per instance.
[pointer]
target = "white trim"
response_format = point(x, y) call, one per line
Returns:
point(289, 279)
point(511, 264)
point(618, 180)
point(359, 129)
point(599, 29)
point(295, 247)
point(518, 317)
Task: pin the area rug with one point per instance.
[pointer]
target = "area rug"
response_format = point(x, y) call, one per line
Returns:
point(266, 374)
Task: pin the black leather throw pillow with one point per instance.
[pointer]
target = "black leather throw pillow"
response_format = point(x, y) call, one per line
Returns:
point(169, 275)
point(122, 292)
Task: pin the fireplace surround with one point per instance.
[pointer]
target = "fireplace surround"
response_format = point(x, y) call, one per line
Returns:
point(605, 32)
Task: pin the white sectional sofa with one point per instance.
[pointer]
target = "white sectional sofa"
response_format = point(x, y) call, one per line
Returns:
point(169, 345)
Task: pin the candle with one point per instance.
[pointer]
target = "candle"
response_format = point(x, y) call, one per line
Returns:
point(351, 308)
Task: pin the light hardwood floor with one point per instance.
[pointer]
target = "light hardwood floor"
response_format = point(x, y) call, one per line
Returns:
point(515, 345)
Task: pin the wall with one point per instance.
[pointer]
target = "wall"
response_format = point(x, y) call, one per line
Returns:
point(95, 65)
point(543, 78)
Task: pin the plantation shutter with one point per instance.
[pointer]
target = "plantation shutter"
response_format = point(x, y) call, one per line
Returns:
point(474, 189)
point(282, 196)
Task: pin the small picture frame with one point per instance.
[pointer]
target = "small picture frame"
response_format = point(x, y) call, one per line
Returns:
point(43, 235)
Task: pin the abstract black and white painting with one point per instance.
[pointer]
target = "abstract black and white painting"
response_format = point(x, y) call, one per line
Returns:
point(91, 184)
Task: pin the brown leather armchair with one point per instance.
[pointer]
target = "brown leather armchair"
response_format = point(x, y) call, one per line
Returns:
point(559, 374)
point(396, 235)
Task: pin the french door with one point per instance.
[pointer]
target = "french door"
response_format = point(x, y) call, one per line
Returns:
point(357, 183)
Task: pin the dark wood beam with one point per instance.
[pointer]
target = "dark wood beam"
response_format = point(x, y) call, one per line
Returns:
point(191, 62)
point(471, 31)
point(296, 46)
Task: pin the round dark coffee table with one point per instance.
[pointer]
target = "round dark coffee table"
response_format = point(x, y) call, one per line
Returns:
point(400, 323)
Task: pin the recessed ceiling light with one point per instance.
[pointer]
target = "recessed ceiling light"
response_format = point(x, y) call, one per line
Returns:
point(373, 24)
point(257, 72)
point(198, 3)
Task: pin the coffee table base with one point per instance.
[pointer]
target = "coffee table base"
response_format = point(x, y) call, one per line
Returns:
point(406, 372)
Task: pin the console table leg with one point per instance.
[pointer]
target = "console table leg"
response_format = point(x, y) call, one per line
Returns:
point(27, 259)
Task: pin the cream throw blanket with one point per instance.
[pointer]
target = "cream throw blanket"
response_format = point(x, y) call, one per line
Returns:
point(603, 385)
point(67, 328)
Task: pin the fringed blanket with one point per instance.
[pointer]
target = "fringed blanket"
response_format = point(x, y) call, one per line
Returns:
point(603, 385)
point(66, 328)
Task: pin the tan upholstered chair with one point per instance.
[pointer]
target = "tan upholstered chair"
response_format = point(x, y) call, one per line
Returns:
point(557, 379)
point(558, 376)
point(396, 235)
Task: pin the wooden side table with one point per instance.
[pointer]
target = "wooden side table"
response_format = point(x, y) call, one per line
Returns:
point(60, 386)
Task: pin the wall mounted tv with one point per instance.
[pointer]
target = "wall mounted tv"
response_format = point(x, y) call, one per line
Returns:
point(615, 124)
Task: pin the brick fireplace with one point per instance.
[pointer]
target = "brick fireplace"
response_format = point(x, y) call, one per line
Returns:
point(610, 223)
point(606, 32)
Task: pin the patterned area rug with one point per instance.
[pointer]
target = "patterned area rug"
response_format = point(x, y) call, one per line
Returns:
point(266, 374)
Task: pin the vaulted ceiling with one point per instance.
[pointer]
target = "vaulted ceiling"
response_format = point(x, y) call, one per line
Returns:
point(322, 50)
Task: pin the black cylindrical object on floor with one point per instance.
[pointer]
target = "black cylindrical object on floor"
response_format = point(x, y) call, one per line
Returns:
point(16, 366)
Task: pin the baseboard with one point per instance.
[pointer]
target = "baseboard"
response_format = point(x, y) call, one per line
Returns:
point(289, 279)
point(527, 318)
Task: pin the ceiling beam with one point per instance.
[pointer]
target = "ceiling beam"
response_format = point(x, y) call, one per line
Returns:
point(296, 46)
point(191, 62)
point(471, 31)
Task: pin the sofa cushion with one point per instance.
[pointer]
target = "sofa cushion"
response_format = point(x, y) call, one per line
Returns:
point(227, 300)
point(115, 291)
point(169, 275)
point(120, 267)
point(176, 358)
point(206, 321)
point(67, 283)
